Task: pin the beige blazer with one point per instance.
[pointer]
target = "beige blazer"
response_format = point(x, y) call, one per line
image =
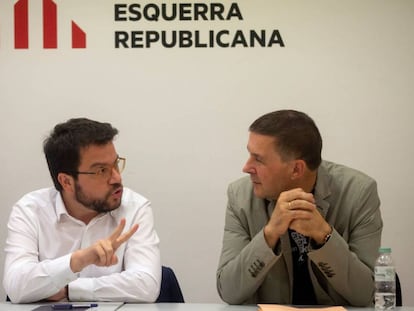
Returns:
point(341, 271)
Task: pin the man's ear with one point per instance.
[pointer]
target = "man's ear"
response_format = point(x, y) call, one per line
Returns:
point(298, 169)
point(66, 181)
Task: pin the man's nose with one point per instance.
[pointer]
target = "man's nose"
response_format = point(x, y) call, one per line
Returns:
point(116, 177)
point(248, 167)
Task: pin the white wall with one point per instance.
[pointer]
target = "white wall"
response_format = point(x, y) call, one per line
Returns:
point(183, 114)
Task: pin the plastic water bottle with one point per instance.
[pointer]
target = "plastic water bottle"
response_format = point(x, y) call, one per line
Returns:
point(384, 280)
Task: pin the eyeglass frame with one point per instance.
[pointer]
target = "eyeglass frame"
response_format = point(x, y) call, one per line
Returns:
point(115, 166)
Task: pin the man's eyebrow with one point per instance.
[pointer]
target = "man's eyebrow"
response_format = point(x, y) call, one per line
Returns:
point(98, 164)
point(256, 155)
point(103, 163)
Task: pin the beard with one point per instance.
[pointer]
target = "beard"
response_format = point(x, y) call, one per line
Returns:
point(102, 205)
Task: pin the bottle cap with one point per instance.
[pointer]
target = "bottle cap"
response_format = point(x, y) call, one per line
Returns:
point(385, 250)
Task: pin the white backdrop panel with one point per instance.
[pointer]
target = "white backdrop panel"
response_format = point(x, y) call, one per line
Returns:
point(183, 113)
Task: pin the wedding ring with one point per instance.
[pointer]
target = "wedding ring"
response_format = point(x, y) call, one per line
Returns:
point(290, 206)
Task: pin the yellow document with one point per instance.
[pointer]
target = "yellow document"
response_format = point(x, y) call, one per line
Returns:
point(272, 307)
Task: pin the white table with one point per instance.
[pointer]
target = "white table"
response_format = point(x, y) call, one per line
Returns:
point(216, 307)
point(102, 306)
point(109, 306)
point(186, 307)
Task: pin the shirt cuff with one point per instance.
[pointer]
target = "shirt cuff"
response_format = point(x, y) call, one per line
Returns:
point(60, 272)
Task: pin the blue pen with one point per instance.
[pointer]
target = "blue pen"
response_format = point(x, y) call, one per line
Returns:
point(68, 306)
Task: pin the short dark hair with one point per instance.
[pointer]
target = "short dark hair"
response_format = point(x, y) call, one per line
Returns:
point(296, 135)
point(62, 147)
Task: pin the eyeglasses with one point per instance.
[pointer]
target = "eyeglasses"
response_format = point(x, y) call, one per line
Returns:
point(105, 171)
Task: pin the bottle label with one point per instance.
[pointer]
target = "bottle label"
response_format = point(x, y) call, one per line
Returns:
point(384, 273)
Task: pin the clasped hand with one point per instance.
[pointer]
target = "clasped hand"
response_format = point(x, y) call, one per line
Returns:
point(296, 209)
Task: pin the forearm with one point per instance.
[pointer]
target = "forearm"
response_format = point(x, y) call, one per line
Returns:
point(135, 278)
point(241, 272)
point(344, 271)
point(26, 281)
point(127, 286)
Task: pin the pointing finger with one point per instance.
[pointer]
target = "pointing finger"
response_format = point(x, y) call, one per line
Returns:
point(125, 237)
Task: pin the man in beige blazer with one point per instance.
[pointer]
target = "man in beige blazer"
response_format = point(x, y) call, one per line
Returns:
point(300, 230)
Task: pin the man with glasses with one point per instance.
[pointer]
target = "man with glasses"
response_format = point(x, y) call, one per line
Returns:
point(88, 238)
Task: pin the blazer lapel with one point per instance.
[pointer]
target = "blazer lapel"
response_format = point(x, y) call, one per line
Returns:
point(322, 190)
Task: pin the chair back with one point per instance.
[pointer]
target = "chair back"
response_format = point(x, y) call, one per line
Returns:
point(398, 291)
point(170, 289)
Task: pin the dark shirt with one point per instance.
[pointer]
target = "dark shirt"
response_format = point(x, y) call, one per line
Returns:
point(303, 293)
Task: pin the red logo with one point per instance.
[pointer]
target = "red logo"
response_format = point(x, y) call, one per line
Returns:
point(50, 34)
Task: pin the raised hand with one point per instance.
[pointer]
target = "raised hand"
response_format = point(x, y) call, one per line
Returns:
point(102, 253)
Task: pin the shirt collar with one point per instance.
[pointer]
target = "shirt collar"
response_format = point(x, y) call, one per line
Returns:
point(61, 209)
point(60, 206)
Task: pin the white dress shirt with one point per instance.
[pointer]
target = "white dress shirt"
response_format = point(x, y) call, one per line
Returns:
point(42, 236)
